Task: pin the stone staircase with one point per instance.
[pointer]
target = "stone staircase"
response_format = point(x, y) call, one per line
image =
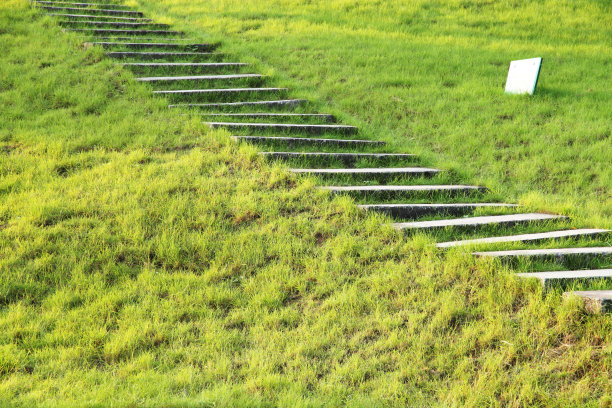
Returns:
point(419, 199)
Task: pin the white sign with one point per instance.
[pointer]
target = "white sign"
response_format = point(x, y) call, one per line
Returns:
point(523, 76)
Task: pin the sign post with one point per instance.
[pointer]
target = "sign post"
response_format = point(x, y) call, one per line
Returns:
point(523, 76)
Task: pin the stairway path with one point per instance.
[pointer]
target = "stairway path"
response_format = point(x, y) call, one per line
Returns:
point(409, 211)
point(355, 143)
point(527, 237)
point(191, 48)
point(359, 161)
point(197, 77)
point(271, 103)
point(153, 55)
point(98, 17)
point(76, 4)
point(121, 24)
point(93, 11)
point(476, 221)
point(554, 252)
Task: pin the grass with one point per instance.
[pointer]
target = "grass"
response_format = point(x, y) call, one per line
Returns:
point(146, 260)
point(429, 77)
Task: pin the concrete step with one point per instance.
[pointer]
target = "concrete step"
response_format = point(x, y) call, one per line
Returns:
point(347, 130)
point(274, 103)
point(141, 39)
point(182, 64)
point(554, 252)
point(346, 157)
point(118, 24)
point(310, 141)
point(320, 116)
point(81, 5)
point(548, 279)
point(91, 11)
point(198, 78)
point(526, 237)
point(510, 219)
point(441, 188)
point(154, 55)
point(98, 18)
point(131, 39)
point(191, 49)
point(420, 210)
point(597, 301)
point(380, 171)
point(217, 91)
point(104, 31)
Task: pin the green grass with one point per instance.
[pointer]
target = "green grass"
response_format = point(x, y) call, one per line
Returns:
point(146, 260)
point(428, 76)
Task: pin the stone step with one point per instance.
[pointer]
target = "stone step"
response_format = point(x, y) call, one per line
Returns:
point(105, 31)
point(347, 157)
point(287, 127)
point(192, 47)
point(597, 301)
point(182, 64)
point(321, 116)
point(440, 188)
point(510, 219)
point(419, 210)
point(311, 141)
point(140, 39)
point(552, 277)
point(380, 171)
point(554, 252)
point(275, 103)
point(81, 5)
point(198, 78)
point(526, 237)
point(91, 11)
point(94, 18)
point(120, 24)
point(217, 91)
point(155, 55)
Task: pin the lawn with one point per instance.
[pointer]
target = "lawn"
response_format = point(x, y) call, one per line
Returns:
point(146, 260)
point(428, 76)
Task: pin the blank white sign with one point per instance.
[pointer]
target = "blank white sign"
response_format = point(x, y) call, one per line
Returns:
point(523, 76)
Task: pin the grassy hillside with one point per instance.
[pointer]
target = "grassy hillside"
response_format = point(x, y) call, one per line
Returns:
point(428, 76)
point(148, 261)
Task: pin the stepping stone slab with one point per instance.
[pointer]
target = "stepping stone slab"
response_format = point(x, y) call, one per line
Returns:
point(79, 16)
point(156, 55)
point(306, 140)
point(68, 3)
point(126, 32)
point(597, 301)
point(152, 39)
point(217, 91)
point(287, 126)
point(526, 237)
point(550, 278)
point(340, 156)
point(411, 171)
point(478, 221)
point(198, 47)
point(329, 118)
point(557, 252)
point(182, 64)
point(112, 24)
point(417, 210)
point(91, 11)
point(280, 102)
point(197, 77)
point(404, 189)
